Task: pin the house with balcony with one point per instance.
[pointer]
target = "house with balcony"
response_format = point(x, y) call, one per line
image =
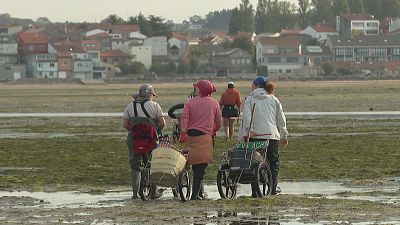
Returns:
point(381, 48)
point(31, 43)
point(82, 65)
point(357, 24)
point(233, 60)
point(280, 55)
point(42, 65)
point(8, 50)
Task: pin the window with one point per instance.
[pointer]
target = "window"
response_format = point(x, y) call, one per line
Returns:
point(288, 70)
point(233, 61)
point(292, 59)
point(39, 65)
point(51, 64)
point(31, 47)
point(42, 47)
point(274, 59)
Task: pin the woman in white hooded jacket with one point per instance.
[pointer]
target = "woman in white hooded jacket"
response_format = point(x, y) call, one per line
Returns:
point(269, 123)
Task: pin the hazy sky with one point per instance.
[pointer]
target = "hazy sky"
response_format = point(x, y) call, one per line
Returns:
point(96, 10)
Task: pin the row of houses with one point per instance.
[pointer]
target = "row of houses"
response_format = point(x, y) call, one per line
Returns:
point(96, 51)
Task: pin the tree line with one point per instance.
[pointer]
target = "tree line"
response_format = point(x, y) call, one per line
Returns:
point(275, 15)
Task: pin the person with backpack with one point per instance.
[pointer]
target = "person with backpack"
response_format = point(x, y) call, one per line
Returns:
point(200, 120)
point(230, 103)
point(144, 120)
point(269, 123)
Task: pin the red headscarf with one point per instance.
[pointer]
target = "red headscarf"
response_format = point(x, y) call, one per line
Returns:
point(205, 87)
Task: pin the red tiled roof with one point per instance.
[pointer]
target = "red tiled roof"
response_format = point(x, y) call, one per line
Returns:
point(33, 38)
point(359, 16)
point(68, 46)
point(179, 36)
point(113, 53)
point(281, 41)
point(324, 28)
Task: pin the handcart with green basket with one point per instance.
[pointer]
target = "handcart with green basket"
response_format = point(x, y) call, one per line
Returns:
point(167, 168)
point(245, 163)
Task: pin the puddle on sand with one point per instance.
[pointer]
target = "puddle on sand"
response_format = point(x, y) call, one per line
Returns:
point(113, 198)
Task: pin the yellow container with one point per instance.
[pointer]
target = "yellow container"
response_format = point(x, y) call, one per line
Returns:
point(166, 165)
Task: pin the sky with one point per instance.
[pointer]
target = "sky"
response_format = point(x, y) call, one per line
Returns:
point(96, 10)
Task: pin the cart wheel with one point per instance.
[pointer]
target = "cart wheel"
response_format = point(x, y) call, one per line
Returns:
point(184, 186)
point(263, 177)
point(145, 188)
point(227, 187)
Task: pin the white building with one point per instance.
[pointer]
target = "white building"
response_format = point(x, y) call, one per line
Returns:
point(320, 32)
point(142, 54)
point(159, 45)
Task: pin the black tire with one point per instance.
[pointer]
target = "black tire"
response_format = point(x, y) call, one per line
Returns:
point(175, 192)
point(184, 187)
point(227, 187)
point(171, 111)
point(263, 179)
point(145, 190)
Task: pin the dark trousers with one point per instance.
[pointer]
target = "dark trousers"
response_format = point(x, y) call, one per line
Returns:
point(198, 176)
point(274, 163)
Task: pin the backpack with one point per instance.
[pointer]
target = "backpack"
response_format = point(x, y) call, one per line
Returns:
point(144, 133)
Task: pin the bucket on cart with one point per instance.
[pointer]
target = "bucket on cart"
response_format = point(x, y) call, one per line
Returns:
point(166, 165)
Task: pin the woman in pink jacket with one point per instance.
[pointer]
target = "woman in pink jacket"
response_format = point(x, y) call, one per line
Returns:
point(201, 118)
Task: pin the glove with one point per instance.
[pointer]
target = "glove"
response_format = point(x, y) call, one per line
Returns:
point(183, 137)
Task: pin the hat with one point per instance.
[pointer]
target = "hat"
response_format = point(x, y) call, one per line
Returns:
point(144, 93)
point(231, 84)
point(260, 80)
point(146, 89)
point(205, 87)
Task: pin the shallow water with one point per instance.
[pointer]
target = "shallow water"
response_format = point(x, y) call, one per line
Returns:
point(118, 198)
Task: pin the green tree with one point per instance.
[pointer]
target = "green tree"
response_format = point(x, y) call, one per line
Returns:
point(357, 6)
point(151, 26)
point(243, 43)
point(261, 21)
point(134, 68)
point(304, 13)
point(391, 8)
point(341, 7)
point(374, 7)
point(218, 20)
point(328, 68)
point(114, 19)
point(242, 18)
point(322, 10)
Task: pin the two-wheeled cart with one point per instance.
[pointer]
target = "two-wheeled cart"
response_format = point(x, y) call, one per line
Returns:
point(166, 168)
point(245, 163)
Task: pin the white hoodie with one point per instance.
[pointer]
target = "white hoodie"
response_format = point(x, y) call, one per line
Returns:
point(268, 116)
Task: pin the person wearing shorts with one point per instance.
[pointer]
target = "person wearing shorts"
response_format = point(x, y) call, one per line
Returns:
point(230, 103)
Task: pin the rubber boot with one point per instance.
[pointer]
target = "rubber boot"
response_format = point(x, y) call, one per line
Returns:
point(254, 193)
point(196, 189)
point(274, 184)
point(202, 194)
point(136, 177)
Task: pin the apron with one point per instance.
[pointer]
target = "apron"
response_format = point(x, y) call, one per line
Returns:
point(200, 149)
